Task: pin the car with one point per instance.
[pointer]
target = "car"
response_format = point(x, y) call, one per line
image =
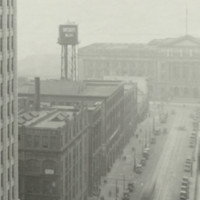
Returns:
point(131, 187)
point(165, 130)
point(145, 154)
point(188, 160)
point(185, 188)
point(187, 169)
point(126, 196)
point(183, 194)
point(138, 168)
point(157, 131)
point(143, 162)
point(153, 140)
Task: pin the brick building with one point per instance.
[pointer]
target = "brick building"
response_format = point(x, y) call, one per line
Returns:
point(110, 93)
point(53, 154)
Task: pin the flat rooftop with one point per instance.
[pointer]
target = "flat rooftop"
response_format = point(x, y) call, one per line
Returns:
point(71, 88)
point(50, 119)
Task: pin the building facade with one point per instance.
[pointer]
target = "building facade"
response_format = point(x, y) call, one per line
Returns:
point(109, 93)
point(53, 154)
point(8, 102)
point(95, 148)
point(172, 65)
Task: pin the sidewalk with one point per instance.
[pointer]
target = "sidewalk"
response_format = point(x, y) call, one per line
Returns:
point(116, 181)
point(194, 190)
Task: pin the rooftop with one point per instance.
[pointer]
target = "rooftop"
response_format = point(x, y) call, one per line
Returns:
point(134, 49)
point(51, 119)
point(69, 88)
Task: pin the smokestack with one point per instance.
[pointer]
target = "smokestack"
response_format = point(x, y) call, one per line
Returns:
point(37, 93)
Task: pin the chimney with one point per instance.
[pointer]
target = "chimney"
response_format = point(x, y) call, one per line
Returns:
point(37, 94)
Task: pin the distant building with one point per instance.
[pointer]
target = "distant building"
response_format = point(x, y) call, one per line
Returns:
point(53, 154)
point(172, 65)
point(141, 87)
point(8, 102)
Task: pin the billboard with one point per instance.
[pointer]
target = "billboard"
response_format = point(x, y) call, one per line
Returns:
point(68, 35)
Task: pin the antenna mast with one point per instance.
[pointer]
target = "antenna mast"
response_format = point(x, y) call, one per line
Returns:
point(186, 18)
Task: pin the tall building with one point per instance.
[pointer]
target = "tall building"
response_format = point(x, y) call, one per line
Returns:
point(8, 102)
point(171, 64)
point(53, 154)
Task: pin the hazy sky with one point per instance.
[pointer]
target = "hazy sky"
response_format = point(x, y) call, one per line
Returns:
point(102, 21)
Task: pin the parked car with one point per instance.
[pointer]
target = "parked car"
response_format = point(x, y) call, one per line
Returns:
point(126, 196)
point(138, 168)
point(131, 187)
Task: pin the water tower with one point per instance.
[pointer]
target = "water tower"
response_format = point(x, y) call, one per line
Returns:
point(68, 39)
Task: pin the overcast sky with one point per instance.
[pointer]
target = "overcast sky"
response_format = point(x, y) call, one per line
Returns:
point(102, 21)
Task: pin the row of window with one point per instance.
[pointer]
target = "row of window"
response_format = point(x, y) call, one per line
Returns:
point(37, 141)
point(10, 87)
point(10, 192)
point(10, 131)
point(10, 110)
point(10, 21)
point(10, 65)
point(9, 3)
point(10, 152)
point(10, 43)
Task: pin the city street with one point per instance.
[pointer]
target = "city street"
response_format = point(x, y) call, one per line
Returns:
point(165, 167)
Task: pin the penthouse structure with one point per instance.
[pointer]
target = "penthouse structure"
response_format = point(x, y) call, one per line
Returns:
point(53, 154)
point(8, 102)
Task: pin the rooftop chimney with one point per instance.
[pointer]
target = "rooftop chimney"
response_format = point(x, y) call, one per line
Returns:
point(37, 94)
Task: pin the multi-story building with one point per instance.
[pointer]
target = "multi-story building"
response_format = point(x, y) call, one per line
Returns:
point(110, 93)
point(53, 154)
point(172, 65)
point(8, 102)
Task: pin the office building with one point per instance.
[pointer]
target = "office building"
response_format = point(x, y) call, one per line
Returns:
point(53, 154)
point(8, 102)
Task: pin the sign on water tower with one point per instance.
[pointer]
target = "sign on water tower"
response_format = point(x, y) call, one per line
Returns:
point(68, 34)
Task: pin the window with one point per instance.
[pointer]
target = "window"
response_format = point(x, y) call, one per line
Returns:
point(36, 141)
point(53, 142)
point(12, 64)
point(8, 65)
point(12, 21)
point(8, 130)
point(2, 157)
point(8, 174)
point(1, 112)
point(8, 87)
point(1, 67)
point(1, 44)
point(8, 43)
point(12, 42)
point(28, 140)
point(8, 109)
point(1, 89)
point(12, 107)
point(8, 153)
point(1, 134)
point(2, 180)
point(45, 142)
point(13, 128)
point(1, 21)
point(8, 21)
